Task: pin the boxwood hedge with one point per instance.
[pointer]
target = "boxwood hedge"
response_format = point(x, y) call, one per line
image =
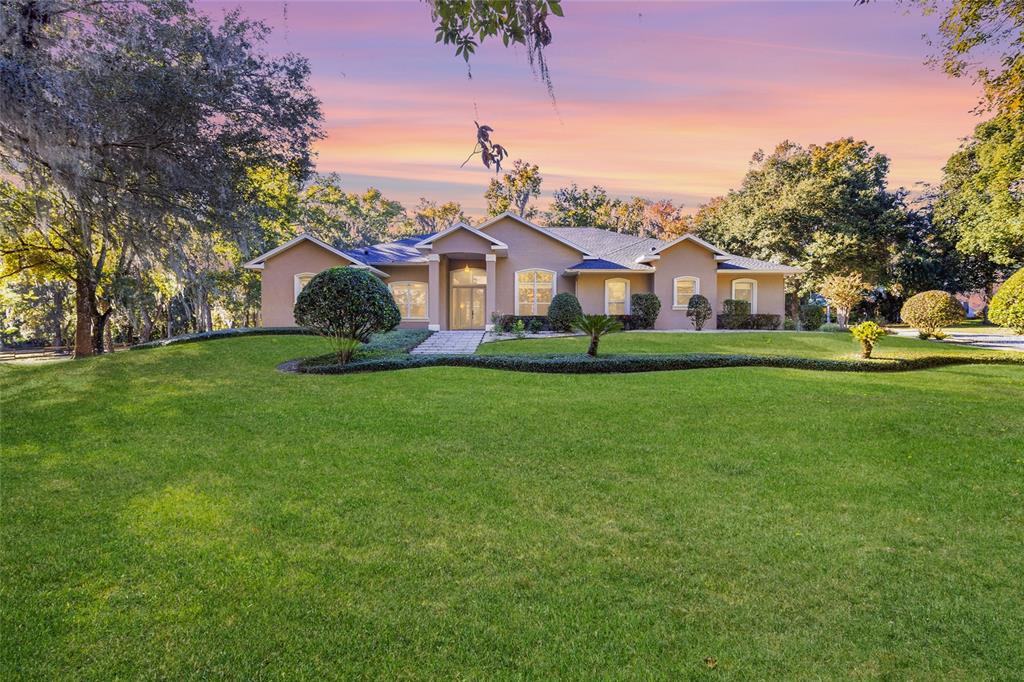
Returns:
point(609, 364)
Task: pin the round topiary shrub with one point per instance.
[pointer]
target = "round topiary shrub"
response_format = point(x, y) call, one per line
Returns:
point(1007, 308)
point(563, 311)
point(643, 310)
point(347, 306)
point(930, 311)
point(699, 310)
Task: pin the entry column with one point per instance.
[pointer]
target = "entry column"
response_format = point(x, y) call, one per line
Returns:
point(434, 292)
point(492, 285)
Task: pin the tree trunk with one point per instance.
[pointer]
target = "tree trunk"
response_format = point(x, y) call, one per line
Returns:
point(108, 334)
point(168, 334)
point(147, 325)
point(592, 351)
point(99, 325)
point(83, 316)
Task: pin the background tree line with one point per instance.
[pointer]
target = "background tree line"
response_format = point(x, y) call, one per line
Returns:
point(146, 154)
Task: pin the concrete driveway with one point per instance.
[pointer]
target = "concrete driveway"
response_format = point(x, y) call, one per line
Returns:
point(993, 341)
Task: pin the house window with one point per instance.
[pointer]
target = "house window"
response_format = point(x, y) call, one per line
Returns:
point(745, 290)
point(684, 288)
point(301, 280)
point(534, 291)
point(616, 296)
point(411, 298)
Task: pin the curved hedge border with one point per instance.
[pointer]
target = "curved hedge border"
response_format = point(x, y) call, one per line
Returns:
point(611, 364)
point(220, 334)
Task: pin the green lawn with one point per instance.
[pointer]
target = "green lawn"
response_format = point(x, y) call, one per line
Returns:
point(190, 512)
point(836, 345)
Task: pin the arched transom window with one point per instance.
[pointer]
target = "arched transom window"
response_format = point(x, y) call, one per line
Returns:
point(534, 291)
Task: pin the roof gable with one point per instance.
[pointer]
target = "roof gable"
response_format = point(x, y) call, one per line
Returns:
point(426, 243)
point(533, 226)
point(258, 262)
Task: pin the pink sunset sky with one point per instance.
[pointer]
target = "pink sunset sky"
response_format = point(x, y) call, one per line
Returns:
point(661, 100)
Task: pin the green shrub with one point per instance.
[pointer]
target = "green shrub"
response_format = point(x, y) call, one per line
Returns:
point(757, 321)
point(699, 310)
point(518, 328)
point(812, 316)
point(644, 309)
point(1007, 308)
point(789, 325)
point(596, 326)
point(868, 334)
point(506, 322)
point(346, 305)
point(734, 313)
point(563, 310)
point(929, 311)
point(830, 327)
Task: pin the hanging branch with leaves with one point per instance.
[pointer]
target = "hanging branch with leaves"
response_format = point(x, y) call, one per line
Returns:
point(491, 153)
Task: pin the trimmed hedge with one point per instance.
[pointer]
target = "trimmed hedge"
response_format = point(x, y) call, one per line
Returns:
point(1007, 309)
point(221, 334)
point(757, 321)
point(616, 364)
point(812, 316)
point(396, 342)
point(563, 311)
point(644, 309)
point(504, 323)
point(929, 311)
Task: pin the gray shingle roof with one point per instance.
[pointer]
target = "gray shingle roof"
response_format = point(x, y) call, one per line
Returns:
point(613, 250)
point(741, 263)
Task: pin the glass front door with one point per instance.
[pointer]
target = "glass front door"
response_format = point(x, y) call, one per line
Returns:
point(469, 287)
point(468, 307)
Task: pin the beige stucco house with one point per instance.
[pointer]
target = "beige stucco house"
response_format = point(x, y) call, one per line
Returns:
point(456, 279)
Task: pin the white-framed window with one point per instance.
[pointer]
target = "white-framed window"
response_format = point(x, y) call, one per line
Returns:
point(682, 289)
point(745, 290)
point(301, 280)
point(534, 290)
point(616, 296)
point(411, 298)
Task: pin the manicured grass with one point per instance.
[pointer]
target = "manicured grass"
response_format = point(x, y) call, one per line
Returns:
point(189, 512)
point(830, 345)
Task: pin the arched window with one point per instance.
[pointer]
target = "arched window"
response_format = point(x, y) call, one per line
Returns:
point(682, 289)
point(301, 280)
point(534, 291)
point(616, 296)
point(746, 290)
point(411, 298)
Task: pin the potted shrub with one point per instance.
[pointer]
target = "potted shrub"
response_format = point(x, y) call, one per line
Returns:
point(346, 306)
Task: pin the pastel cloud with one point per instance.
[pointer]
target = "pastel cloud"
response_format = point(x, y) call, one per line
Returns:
point(661, 100)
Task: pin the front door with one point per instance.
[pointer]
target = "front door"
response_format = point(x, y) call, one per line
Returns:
point(468, 292)
point(468, 307)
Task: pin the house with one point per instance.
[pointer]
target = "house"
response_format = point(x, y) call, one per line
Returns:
point(456, 278)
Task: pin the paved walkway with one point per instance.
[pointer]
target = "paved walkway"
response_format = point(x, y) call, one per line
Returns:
point(450, 343)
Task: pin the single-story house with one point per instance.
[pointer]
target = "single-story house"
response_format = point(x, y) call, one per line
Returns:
point(459, 277)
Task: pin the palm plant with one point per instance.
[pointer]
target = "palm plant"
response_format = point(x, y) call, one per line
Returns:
point(596, 326)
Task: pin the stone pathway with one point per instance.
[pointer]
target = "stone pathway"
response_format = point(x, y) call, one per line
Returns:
point(450, 343)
